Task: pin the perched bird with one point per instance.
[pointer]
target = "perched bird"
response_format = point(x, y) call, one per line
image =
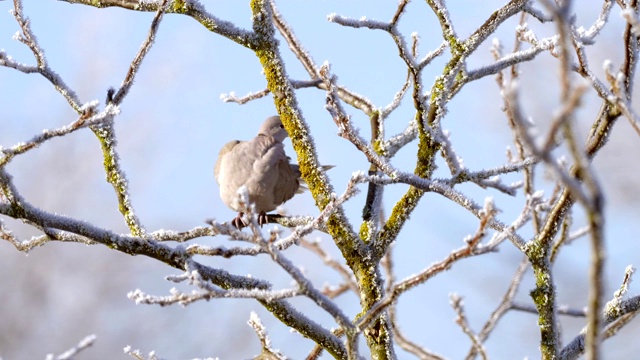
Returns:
point(260, 165)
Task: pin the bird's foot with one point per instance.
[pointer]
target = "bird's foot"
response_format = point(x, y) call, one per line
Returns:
point(263, 218)
point(238, 222)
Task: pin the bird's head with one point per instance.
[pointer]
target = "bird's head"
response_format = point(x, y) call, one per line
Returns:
point(273, 127)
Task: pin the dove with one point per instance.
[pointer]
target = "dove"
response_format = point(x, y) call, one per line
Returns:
point(260, 165)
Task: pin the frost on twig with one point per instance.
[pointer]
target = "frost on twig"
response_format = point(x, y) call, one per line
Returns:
point(136, 354)
point(471, 248)
point(349, 282)
point(207, 291)
point(562, 309)
point(72, 352)
point(628, 14)
point(88, 118)
point(461, 320)
point(35, 241)
point(544, 153)
point(267, 351)
point(27, 37)
point(358, 23)
point(619, 95)
point(296, 84)
point(144, 50)
point(191, 8)
point(616, 314)
point(503, 307)
point(305, 285)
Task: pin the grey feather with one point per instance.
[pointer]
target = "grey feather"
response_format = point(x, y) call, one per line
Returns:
point(261, 165)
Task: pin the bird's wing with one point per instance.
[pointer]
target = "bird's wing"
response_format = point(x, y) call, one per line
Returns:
point(288, 180)
point(273, 177)
point(223, 152)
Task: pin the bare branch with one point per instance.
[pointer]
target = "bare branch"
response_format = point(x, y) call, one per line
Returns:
point(28, 38)
point(407, 284)
point(315, 248)
point(461, 320)
point(501, 309)
point(562, 310)
point(191, 8)
point(617, 313)
point(144, 50)
point(69, 354)
point(267, 352)
point(185, 299)
point(87, 119)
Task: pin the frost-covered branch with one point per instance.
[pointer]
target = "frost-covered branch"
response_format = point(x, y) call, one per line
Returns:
point(88, 118)
point(137, 60)
point(489, 178)
point(572, 184)
point(208, 293)
point(567, 238)
point(295, 45)
point(512, 59)
point(17, 208)
point(363, 22)
point(503, 307)
point(407, 284)
point(345, 127)
point(450, 193)
point(561, 309)
point(397, 98)
point(296, 84)
point(399, 337)
point(267, 351)
point(367, 253)
point(115, 176)
point(72, 352)
point(461, 320)
point(28, 38)
point(106, 133)
point(347, 276)
point(615, 309)
point(50, 235)
point(136, 354)
point(306, 287)
point(191, 8)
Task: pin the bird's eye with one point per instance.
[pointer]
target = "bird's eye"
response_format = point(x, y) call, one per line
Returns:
point(281, 126)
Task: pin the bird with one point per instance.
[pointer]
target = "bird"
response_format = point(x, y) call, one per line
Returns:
point(262, 167)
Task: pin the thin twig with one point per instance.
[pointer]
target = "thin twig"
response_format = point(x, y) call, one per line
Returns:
point(28, 38)
point(407, 284)
point(72, 352)
point(501, 309)
point(461, 320)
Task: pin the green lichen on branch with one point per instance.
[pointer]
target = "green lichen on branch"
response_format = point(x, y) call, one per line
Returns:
point(180, 6)
point(189, 8)
point(425, 165)
point(287, 107)
point(447, 28)
point(544, 297)
point(305, 328)
point(115, 177)
point(370, 211)
point(352, 248)
point(378, 334)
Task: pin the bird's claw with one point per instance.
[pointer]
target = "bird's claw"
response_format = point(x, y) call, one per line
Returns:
point(237, 222)
point(263, 218)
